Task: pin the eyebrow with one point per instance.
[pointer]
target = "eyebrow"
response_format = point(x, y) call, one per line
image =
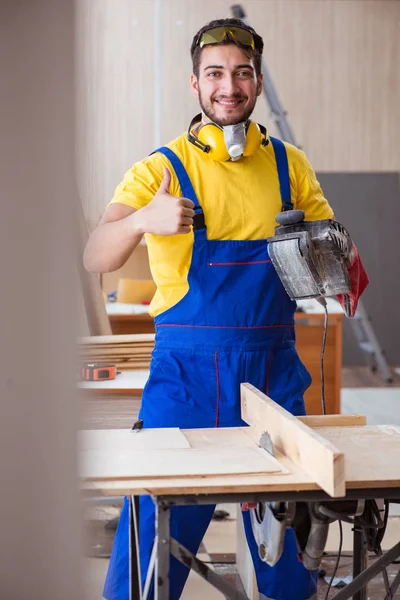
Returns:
point(246, 66)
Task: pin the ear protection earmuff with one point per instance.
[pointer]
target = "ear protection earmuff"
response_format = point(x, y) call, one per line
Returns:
point(210, 139)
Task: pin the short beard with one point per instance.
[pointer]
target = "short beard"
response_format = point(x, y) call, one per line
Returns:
point(227, 121)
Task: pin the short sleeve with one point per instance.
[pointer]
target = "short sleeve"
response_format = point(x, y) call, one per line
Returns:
point(141, 182)
point(306, 191)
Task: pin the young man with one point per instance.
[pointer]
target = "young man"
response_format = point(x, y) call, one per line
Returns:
point(206, 204)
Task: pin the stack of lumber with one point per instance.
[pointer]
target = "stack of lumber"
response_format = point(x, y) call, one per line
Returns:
point(125, 351)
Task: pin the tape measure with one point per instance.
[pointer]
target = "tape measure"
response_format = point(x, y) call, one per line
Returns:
point(98, 372)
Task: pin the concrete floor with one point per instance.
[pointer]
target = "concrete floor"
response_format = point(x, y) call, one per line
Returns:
point(381, 406)
point(219, 545)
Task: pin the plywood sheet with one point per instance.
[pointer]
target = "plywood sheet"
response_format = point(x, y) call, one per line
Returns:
point(294, 480)
point(372, 453)
point(123, 455)
point(170, 438)
point(333, 420)
point(117, 339)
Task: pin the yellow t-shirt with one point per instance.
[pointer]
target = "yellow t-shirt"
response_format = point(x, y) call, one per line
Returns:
point(240, 201)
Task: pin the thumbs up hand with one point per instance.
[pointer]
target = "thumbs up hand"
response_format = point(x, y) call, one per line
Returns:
point(166, 214)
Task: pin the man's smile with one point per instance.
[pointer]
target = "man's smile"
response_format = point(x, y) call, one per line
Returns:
point(229, 103)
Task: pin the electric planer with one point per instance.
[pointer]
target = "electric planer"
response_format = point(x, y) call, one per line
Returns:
point(311, 257)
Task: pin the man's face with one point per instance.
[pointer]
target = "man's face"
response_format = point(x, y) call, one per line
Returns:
point(227, 86)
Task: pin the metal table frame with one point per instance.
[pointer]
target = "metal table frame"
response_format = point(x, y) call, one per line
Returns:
point(165, 545)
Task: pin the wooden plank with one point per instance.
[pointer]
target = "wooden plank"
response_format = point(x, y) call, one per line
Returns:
point(333, 420)
point(101, 464)
point(170, 438)
point(133, 365)
point(372, 454)
point(294, 480)
point(169, 452)
point(117, 339)
point(114, 347)
point(314, 454)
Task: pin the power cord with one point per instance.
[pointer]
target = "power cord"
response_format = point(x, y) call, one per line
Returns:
point(337, 560)
point(323, 303)
point(373, 527)
point(372, 524)
point(374, 536)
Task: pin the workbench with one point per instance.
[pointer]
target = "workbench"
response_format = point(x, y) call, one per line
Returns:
point(320, 458)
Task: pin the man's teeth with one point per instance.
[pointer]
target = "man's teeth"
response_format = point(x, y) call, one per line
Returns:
point(227, 103)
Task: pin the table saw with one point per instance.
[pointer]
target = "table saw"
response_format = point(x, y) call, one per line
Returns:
point(277, 458)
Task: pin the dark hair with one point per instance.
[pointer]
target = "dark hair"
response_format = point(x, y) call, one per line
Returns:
point(195, 50)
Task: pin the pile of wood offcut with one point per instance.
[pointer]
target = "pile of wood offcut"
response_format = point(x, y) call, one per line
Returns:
point(124, 351)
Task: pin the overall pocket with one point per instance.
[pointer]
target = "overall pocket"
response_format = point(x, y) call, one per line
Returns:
point(288, 379)
point(181, 390)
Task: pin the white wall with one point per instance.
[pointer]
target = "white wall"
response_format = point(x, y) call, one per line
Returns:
point(335, 65)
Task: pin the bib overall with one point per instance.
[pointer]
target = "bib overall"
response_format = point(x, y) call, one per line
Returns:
point(234, 325)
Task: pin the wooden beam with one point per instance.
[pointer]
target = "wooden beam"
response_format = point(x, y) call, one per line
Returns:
point(334, 420)
point(320, 459)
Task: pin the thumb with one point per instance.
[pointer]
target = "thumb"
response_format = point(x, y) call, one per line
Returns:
point(164, 186)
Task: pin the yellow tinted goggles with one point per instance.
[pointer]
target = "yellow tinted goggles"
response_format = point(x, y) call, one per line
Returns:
point(218, 34)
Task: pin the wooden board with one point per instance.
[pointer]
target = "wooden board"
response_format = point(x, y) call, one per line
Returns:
point(372, 453)
point(125, 351)
point(294, 480)
point(117, 339)
point(171, 438)
point(333, 420)
point(305, 447)
point(119, 455)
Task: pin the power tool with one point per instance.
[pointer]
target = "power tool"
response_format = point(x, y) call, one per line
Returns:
point(310, 257)
point(98, 372)
point(310, 523)
point(311, 260)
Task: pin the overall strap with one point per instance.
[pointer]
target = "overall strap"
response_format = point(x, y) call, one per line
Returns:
point(283, 173)
point(186, 186)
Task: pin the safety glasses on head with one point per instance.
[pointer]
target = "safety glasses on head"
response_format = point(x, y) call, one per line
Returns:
point(217, 34)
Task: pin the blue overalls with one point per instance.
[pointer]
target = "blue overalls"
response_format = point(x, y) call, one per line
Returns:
point(234, 325)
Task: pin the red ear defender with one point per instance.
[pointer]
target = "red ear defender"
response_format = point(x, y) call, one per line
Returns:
point(211, 140)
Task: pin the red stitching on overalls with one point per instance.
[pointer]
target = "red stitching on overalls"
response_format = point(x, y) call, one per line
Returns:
point(267, 373)
point(222, 264)
point(218, 391)
point(225, 326)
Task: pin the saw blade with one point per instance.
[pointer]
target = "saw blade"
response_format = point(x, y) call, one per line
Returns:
point(266, 443)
